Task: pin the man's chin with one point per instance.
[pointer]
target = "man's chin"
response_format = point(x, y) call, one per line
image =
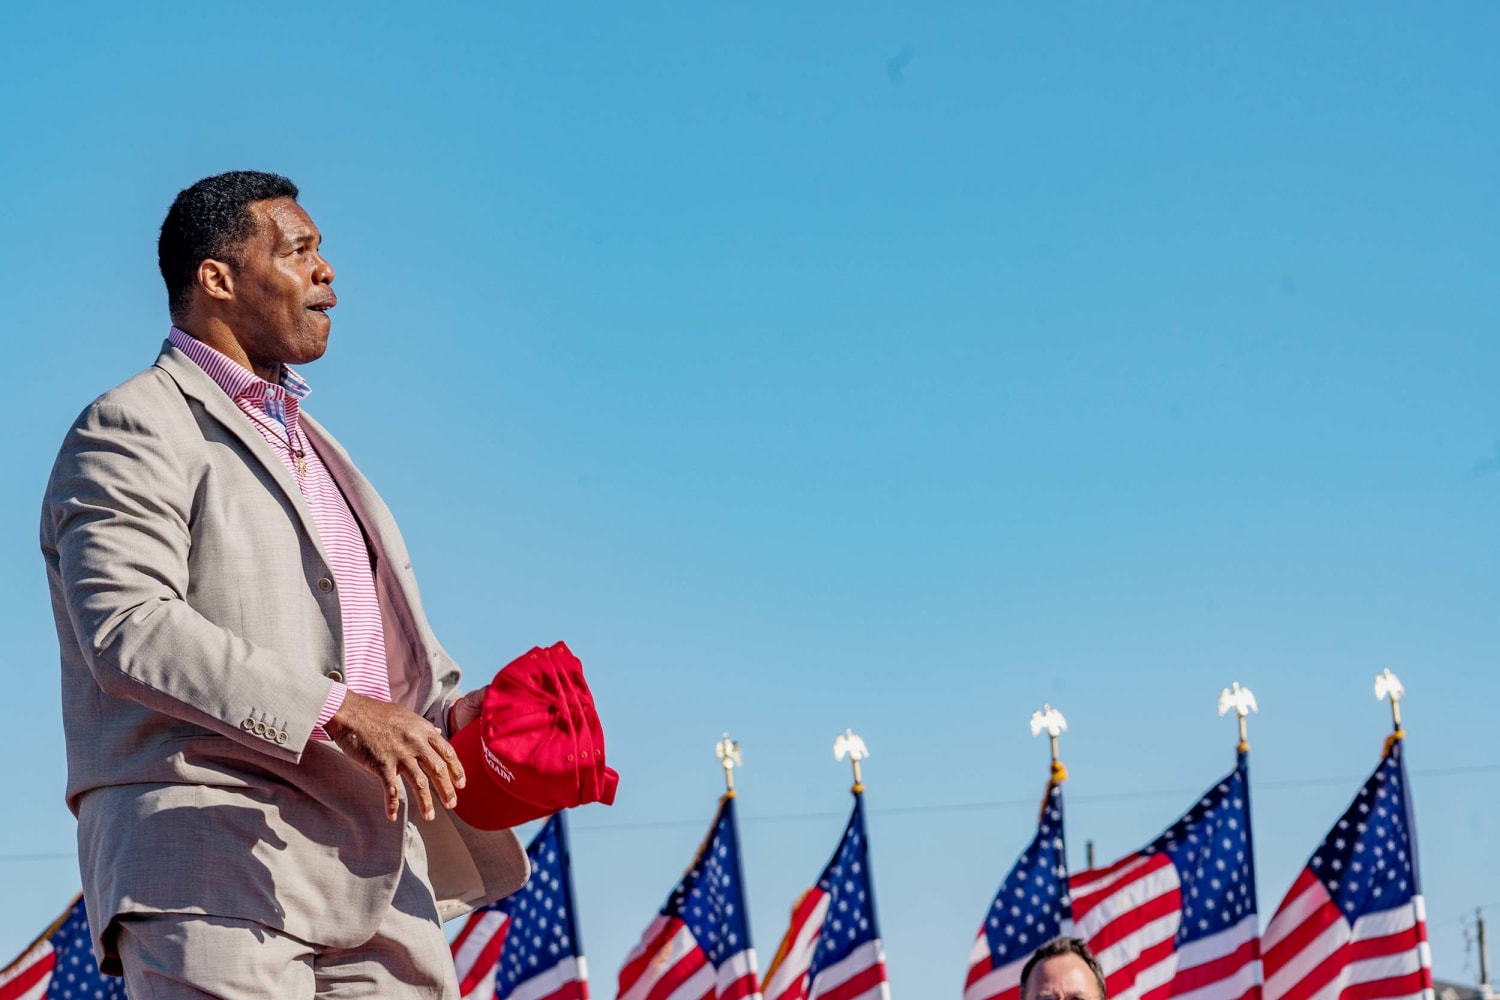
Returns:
point(315, 343)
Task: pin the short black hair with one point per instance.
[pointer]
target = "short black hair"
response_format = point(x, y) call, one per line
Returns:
point(1065, 946)
point(211, 219)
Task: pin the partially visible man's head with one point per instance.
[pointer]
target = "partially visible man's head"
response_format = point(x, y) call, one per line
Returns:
point(241, 260)
point(211, 219)
point(1063, 969)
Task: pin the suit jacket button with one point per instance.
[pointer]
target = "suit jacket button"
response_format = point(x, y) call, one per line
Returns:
point(335, 675)
point(260, 729)
point(248, 724)
point(325, 585)
point(281, 736)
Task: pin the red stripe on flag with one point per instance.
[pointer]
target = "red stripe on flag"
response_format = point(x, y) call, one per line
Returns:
point(1390, 944)
point(1085, 898)
point(1319, 976)
point(1396, 986)
point(1284, 951)
point(858, 984)
point(979, 970)
point(742, 987)
point(484, 965)
point(1301, 936)
point(1014, 993)
point(1123, 978)
point(572, 990)
point(633, 969)
point(28, 978)
point(680, 973)
point(1199, 976)
point(1135, 918)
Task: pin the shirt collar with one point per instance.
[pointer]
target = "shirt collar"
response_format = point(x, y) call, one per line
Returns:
point(235, 379)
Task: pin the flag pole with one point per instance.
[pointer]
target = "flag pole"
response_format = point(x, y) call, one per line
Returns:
point(849, 744)
point(1052, 721)
point(1388, 685)
point(1240, 700)
point(728, 751)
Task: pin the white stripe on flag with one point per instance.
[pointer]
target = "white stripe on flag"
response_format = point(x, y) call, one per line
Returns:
point(1385, 967)
point(680, 945)
point(697, 986)
point(1149, 978)
point(483, 932)
point(1293, 913)
point(657, 926)
point(1086, 885)
point(1385, 923)
point(866, 956)
point(1129, 948)
point(1314, 953)
point(736, 967)
point(799, 956)
point(1126, 899)
point(564, 972)
point(1211, 949)
point(996, 981)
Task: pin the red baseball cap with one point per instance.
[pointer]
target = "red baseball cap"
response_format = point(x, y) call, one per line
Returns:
point(599, 781)
point(537, 746)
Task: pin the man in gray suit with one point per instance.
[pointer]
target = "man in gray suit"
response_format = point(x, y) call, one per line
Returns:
point(256, 711)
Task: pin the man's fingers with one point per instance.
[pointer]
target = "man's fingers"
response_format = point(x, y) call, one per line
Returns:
point(412, 766)
point(438, 769)
point(392, 790)
point(450, 757)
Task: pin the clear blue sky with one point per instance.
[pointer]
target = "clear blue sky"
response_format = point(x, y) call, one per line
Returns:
point(880, 365)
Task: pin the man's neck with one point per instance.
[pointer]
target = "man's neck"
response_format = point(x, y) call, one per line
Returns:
point(217, 334)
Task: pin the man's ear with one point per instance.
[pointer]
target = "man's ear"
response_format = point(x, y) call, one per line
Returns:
point(216, 278)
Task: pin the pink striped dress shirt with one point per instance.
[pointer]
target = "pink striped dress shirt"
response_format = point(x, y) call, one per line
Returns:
point(273, 410)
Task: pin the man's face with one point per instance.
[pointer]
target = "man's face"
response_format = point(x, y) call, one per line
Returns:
point(282, 287)
point(1062, 977)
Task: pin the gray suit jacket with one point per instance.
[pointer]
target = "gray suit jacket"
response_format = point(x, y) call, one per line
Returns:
point(199, 634)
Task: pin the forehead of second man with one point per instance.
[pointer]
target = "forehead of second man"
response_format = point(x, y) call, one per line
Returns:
point(1062, 977)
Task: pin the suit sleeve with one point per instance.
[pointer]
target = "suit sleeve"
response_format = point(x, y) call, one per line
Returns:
point(118, 509)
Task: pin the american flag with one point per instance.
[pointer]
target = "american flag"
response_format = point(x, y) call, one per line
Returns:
point(1353, 926)
point(698, 947)
point(1031, 908)
point(1177, 918)
point(60, 965)
point(832, 949)
point(526, 947)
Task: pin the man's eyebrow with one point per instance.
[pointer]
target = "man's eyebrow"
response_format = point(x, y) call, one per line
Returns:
point(311, 237)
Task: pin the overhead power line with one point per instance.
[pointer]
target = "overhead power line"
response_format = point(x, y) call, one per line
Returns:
point(922, 810)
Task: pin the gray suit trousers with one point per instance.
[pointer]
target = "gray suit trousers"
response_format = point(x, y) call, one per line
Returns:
point(180, 956)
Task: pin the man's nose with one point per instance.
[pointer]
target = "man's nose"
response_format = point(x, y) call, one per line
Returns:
point(323, 273)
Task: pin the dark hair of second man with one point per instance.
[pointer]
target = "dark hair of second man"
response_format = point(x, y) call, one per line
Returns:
point(1064, 946)
point(210, 220)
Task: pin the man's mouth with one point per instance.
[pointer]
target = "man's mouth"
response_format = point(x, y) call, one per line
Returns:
point(323, 307)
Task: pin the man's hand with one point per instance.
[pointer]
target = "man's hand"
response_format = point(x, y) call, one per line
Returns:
point(395, 743)
point(466, 709)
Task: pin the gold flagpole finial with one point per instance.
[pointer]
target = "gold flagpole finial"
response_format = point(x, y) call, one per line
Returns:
point(1241, 701)
point(729, 759)
point(1051, 721)
point(850, 745)
point(1388, 685)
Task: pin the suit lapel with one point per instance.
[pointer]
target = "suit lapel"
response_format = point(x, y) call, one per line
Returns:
point(410, 674)
point(371, 513)
point(195, 383)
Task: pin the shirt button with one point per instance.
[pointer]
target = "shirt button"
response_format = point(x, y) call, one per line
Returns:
point(325, 585)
